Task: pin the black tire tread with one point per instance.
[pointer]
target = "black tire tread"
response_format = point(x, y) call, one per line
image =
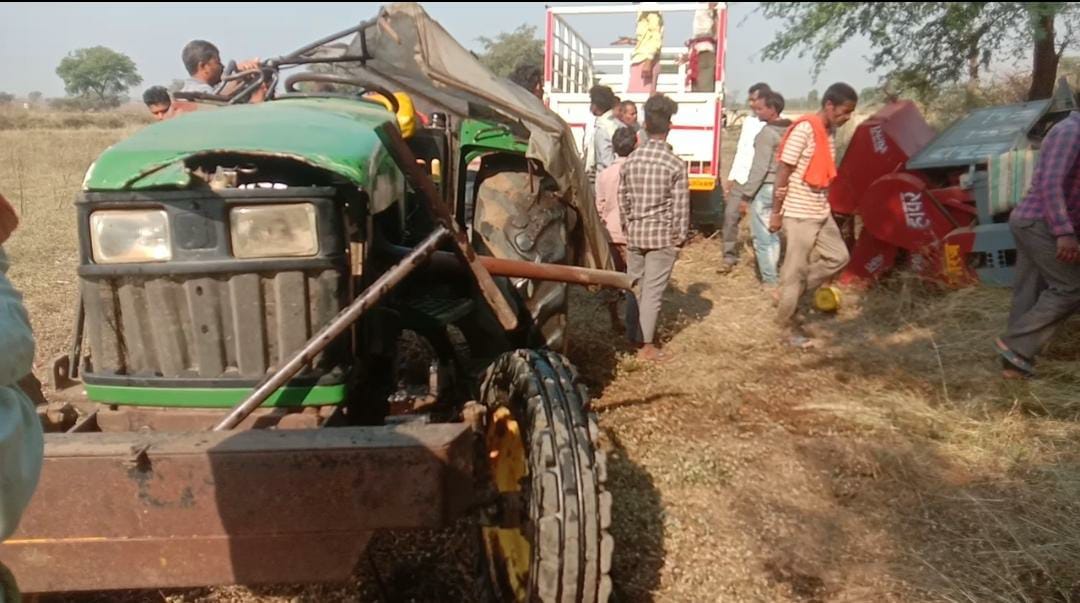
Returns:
point(572, 545)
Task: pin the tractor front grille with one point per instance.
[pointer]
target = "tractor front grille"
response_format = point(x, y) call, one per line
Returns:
point(208, 328)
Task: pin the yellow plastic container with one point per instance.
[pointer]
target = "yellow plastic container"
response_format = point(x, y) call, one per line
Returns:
point(827, 299)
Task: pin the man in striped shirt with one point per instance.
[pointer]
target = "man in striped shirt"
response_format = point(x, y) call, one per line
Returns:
point(1045, 226)
point(654, 203)
point(815, 248)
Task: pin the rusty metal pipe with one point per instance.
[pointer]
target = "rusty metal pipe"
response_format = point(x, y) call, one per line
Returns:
point(575, 275)
point(335, 327)
point(560, 273)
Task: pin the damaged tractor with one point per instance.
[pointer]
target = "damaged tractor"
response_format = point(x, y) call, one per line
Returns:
point(304, 320)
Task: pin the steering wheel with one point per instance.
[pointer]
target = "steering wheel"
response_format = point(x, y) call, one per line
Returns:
point(331, 78)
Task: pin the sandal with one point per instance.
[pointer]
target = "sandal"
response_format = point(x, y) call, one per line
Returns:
point(1015, 366)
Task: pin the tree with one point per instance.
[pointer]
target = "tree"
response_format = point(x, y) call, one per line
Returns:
point(927, 45)
point(99, 74)
point(6, 98)
point(34, 97)
point(507, 50)
point(813, 99)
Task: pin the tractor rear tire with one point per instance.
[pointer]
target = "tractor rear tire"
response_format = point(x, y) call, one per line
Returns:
point(518, 216)
point(542, 451)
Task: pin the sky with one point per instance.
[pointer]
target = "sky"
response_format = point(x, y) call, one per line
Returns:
point(35, 37)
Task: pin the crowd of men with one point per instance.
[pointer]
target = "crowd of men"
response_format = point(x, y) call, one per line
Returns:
point(780, 176)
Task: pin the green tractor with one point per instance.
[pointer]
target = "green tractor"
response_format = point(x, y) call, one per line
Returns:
point(306, 319)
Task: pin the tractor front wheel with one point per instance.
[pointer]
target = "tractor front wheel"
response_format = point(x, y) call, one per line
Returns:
point(551, 540)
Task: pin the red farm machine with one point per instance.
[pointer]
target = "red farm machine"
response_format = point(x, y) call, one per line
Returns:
point(938, 205)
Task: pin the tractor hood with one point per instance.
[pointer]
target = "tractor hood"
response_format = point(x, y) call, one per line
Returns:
point(337, 135)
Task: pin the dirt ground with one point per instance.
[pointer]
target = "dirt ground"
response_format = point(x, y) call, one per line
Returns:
point(890, 464)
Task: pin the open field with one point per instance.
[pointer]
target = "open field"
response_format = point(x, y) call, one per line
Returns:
point(889, 465)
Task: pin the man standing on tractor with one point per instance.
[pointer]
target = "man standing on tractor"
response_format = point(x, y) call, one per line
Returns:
point(739, 174)
point(21, 440)
point(1045, 227)
point(816, 251)
point(654, 201)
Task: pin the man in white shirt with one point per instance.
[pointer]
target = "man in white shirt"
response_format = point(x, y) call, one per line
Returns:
point(598, 152)
point(739, 174)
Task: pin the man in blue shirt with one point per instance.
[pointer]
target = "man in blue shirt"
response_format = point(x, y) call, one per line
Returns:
point(21, 441)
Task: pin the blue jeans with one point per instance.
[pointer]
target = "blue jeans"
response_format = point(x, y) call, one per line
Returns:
point(766, 244)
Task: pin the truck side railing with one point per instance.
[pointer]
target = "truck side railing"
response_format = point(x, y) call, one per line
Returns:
point(612, 68)
point(568, 65)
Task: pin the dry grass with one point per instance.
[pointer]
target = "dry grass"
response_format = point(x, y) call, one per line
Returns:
point(889, 465)
point(40, 173)
point(17, 118)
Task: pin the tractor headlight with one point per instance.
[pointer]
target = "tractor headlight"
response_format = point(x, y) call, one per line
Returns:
point(124, 236)
point(265, 231)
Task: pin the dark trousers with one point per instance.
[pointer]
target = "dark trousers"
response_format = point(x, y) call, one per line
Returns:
point(1046, 291)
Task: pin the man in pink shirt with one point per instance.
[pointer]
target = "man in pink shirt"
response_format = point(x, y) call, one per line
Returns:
point(623, 142)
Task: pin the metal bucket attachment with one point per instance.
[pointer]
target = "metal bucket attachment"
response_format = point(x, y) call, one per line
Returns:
point(162, 510)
